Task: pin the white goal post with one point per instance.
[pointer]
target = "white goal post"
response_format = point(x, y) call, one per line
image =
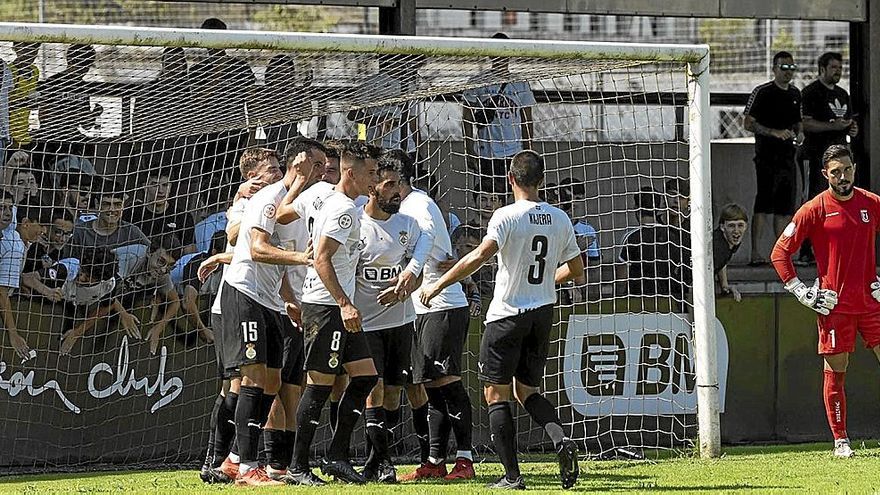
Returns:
point(564, 59)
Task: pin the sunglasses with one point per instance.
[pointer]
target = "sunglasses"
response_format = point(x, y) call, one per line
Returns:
point(787, 66)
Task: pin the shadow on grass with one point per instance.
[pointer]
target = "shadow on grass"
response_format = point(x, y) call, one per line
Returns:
point(33, 478)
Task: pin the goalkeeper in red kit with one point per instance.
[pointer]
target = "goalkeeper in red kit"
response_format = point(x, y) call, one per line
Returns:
point(842, 223)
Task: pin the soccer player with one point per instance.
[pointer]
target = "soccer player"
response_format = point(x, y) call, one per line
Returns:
point(531, 239)
point(332, 324)
point(256, 335)
point(842, 222)
point(221, 464)
point(388, 238)
point(439, 342)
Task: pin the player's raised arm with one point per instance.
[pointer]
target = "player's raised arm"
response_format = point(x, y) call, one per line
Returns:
point(302, 171)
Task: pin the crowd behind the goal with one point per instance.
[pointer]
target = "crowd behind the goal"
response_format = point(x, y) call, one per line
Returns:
point(74, 237)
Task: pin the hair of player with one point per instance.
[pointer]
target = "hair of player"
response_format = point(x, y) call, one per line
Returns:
point(218, 242)
point(32, 213)
point(252, 158)
point(826, 58)
point(213, 23)
point(732, 212)
point(467, 230)
point(527, 169)
point(352, 153)
point(331, 148)
point(400, 161)
point(835, 153)
point(678, 187)
point(98, 262)
point(781, 55)
point(374, 152)
point(169, 242)
point(301, 144)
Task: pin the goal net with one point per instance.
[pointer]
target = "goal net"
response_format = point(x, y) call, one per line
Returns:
point(122, 147)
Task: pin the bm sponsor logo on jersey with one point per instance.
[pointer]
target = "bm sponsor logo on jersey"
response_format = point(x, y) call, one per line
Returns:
point(381, 273)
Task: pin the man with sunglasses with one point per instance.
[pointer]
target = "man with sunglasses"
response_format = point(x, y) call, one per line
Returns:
point(773, 114)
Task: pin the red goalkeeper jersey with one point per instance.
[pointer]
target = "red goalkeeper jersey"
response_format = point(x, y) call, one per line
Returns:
point(843, 235)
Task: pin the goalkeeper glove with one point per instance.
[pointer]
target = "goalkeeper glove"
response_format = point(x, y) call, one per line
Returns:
point(875, 289)
point(819, 300)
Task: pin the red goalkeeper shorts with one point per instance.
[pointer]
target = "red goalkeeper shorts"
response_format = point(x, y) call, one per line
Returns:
point(837, 332)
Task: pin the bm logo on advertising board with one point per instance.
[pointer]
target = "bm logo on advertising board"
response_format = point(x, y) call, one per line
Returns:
point(635, 364)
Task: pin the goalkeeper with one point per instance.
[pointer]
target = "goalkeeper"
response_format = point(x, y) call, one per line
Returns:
point(842, 223)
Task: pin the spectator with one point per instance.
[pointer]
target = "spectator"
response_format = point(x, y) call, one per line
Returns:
point(64, 105)
point(481, 283)
point(220, 85)
point(497, 119)
point(214, 221)
point(23, 98)
point(156, 214)
point(163, 105)
point(550, 194)
point(646, 204)
point(149, 279)
point(12, 251)
point(773, 113)
point(678, 193)
point(72, 164)
point(88, 285)
point(487, 199)
point(184, 276)
point(45, 252)
point(828, 119)
point(394, 125)
point(726, 240)
point(274, 101)
point(24, 186)
point(75, 197)
point(108, 229)
point(573, 201)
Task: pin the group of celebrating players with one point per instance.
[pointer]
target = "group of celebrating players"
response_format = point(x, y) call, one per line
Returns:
point(341, 284)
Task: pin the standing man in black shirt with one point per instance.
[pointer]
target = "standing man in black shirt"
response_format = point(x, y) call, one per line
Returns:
point(773, 113)
point(828, 119)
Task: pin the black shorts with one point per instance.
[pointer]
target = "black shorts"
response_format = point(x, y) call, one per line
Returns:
point(777, 184)
point(294, 353)
point(439, 343)
point(222, 371)
point(252, 333)
point(391, 349)
point(516, 346)
point(328, 344)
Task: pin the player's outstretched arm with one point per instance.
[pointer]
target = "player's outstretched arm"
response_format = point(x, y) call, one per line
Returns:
point(262, 251)
point(208, 266)
point(465, 266)
point(327, 247)
point(570, 270)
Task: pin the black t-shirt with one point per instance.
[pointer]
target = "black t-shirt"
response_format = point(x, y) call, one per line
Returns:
point(825, 105)
point(776, 108)
point(659, 259)
point(39, 257)
point(721, 250)
point(169, 222)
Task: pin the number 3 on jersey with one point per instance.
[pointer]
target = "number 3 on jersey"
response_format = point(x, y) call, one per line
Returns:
point(536, 270)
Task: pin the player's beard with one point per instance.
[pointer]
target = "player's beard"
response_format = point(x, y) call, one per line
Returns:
point(391, 206)
point(843, 190)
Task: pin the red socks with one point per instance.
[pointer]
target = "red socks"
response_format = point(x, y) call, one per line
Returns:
point(835, 402)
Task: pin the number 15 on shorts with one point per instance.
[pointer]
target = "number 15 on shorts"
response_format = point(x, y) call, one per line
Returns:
point(249, 331)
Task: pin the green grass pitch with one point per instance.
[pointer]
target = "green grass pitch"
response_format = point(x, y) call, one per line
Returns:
point(807, 468)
